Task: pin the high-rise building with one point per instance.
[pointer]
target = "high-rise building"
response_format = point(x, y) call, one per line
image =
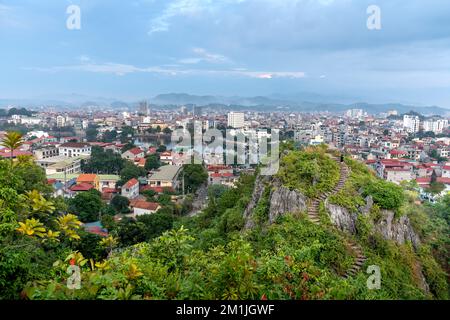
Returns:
point(437, 126)
point(236, 119)
point(411, 123)
point(355, 113)
point(144, 108)
point(60, 121)
point(197, 111)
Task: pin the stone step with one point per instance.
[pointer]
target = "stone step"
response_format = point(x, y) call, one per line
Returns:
point(360, 260)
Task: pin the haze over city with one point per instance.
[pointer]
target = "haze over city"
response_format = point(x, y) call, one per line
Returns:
point(138, 49)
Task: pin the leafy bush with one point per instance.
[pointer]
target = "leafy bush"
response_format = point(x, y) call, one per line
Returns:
point(311, 172)
point(386, 194)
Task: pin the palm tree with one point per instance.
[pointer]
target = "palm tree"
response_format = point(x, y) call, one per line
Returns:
point(12, 141)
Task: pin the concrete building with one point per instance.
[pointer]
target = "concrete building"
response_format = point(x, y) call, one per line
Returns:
point(133, 154)
point(236, 119)
point(436, 126)
point(75, 149)
point(411, 123)
point(60, 121)
point(46, 152)
point(165, 177)
point(130, 189)
point(61, 164)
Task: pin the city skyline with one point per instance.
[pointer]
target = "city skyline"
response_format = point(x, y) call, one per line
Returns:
point(228, 47)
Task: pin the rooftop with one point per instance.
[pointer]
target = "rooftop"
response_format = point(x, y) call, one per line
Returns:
point(166, 173)
point(74, 145)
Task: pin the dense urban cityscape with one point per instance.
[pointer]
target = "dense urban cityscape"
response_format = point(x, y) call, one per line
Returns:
point(225, 158)
point(398, 147)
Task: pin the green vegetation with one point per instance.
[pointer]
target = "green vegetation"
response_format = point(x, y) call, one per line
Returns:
point(87, 205)
point(194, 176)
point(103, 162)
point(120, 204)
point(152, 162)
point(129, 172)
point(211, 256)
point(311, 172)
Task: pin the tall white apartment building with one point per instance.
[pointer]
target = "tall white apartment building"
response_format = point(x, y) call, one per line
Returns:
point(355, 113)
point(411, 123)
point(236, 119)
point(60, 121)
point(437, 126)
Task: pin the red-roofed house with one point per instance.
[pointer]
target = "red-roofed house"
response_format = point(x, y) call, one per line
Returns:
point(82, 187)
point(133, 154)
point(166, 158)
point(91, 179)
point(140, 162)
point(144, 207)
point(424, 182)
point(131, 189)
point(6, 153)
point(398, 175)
point(221, 174)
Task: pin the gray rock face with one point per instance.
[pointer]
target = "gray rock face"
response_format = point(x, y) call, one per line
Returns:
point(341, 218)
point(398, 230)
point(283, 200)
point(257, 194)
point(369, 204)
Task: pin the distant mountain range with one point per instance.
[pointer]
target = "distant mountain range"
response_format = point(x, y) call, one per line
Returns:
point(301, 102)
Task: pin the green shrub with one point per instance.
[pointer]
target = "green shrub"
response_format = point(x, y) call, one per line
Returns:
point(386, 194)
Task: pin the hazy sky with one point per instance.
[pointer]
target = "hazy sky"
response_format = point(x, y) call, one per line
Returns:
point(139, 48)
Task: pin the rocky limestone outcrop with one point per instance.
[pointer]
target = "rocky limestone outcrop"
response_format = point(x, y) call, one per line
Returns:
point(283, 200)
point(260, 184)
point(341, 217)
point(398, 230)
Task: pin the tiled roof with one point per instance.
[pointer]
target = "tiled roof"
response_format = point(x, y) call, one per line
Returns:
point(153, 206)
point(136, 151)
point(86, 177)
point(74, 145)
point(82, 187)
point(131, 183)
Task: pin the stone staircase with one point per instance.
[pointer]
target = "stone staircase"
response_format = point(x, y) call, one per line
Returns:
point(313, 214)
point(359, 262)
point(313, 209)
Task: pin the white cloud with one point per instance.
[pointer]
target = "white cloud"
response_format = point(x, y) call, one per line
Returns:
point(124, 69)
point(9, 17)
point(204, 56)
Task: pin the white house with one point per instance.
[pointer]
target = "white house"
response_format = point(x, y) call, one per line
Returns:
point(144, 207)
point(74, 149)
point(131, 189)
